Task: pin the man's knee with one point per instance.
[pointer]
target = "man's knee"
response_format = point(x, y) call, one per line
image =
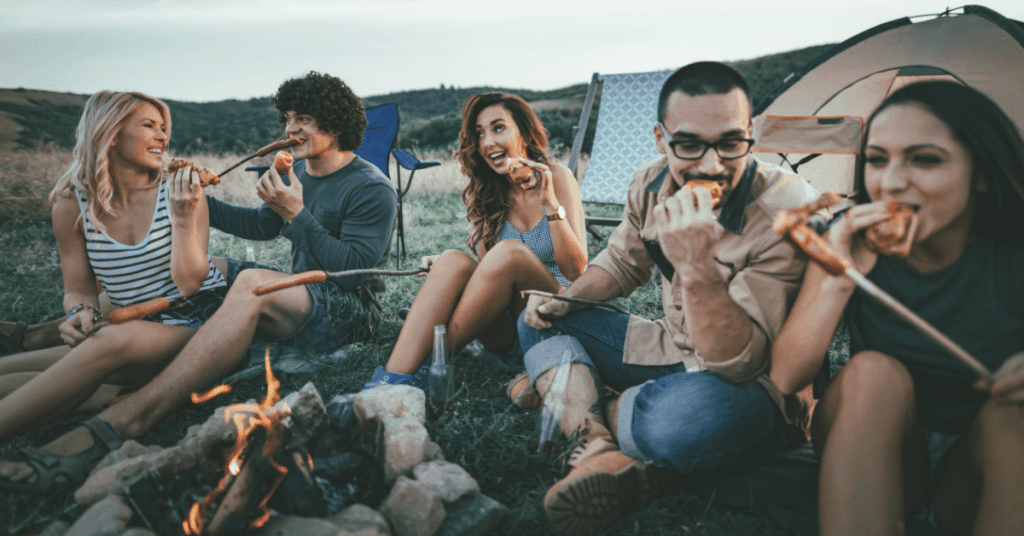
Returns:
point(697, 421)
point(549, 353)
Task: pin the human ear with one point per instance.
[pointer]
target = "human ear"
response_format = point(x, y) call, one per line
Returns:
point(659, 140)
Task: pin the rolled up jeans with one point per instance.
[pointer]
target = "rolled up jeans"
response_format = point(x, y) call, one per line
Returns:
point(667, 416)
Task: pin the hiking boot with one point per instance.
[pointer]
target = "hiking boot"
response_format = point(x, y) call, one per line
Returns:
point(601, 487)
point(521, 393)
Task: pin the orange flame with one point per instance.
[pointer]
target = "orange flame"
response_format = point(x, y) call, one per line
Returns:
point(199, 398)
point(246, 418)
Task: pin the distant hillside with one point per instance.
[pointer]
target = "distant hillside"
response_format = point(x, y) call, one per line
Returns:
point(429, 117)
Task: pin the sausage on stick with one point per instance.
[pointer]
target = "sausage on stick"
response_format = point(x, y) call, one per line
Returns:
point(319, 276)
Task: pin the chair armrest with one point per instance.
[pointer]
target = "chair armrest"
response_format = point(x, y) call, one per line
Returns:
point(410, 162)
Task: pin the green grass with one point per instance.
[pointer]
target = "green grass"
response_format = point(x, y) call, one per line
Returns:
point(484, 432)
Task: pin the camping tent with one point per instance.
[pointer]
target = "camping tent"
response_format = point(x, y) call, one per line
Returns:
point(973, 45)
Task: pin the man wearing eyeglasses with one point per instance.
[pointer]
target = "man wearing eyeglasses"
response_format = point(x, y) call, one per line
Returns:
point(694, 390)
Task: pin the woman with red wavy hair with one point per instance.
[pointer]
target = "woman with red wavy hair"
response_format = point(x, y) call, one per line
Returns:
point(527, 234)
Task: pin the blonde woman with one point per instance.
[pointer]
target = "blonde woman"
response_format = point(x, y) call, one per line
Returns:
point(118, 221)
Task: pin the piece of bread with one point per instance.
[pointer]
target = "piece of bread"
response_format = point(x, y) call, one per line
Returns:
point(283, 163)
point(206, 177)
point(521, 174)
point(894, 236)
point(712, 186)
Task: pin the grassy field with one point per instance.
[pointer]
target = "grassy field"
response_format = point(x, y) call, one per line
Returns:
point(483, 432)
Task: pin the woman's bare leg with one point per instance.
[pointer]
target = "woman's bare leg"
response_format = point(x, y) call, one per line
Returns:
point(492, 302)
point(138, 350)
point(873, 456)
point(433, 305)
point(106, 392)
point(34, 361)
point(979, 487)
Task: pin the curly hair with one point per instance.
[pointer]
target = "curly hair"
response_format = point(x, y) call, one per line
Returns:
point(330, 101)
point(103, 117)
point(486, 195)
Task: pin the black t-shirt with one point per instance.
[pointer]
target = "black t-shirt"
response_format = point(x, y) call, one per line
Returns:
point(978, 302)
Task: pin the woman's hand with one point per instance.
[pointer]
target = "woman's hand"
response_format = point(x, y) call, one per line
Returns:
point(845, 239)
point(73, 330)
point(427, 262)
point(1008, 383)
point(543, 193)
point(184, 193)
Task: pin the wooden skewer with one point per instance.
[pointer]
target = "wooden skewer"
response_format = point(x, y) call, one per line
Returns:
point(820, 252)
point(319, 276)
point(577, 301)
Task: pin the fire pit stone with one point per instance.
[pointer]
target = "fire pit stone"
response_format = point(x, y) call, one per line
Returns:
point(362, 520)
point(447, 480)
point(391, 401)
point(412, 509)
point(107, 517)
point(307, 413)
point(405, 445)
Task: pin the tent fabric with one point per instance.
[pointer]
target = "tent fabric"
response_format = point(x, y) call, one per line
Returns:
point(624, 137)
point(977, 47)
point(807, 135)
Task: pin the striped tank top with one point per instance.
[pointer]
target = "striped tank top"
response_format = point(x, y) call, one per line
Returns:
point(133, 274)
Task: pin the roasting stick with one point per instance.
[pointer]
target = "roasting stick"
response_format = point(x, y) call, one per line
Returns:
point(319, 276)
point(136, 311)
point(819, 250)
point(577, 301)
point(276, 146)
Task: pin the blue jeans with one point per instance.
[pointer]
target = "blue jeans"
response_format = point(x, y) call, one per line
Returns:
point(668, 417)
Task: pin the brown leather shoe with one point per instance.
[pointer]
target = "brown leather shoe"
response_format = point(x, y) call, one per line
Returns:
point(600, 488)
point(521, 392)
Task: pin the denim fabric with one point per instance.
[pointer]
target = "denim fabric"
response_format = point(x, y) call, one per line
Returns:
point(339, 317)
point(668, 417)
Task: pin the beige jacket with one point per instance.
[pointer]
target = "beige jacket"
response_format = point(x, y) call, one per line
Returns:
point(762, 271)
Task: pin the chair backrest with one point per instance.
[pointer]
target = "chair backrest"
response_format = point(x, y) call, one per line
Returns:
point(624, 138)
point(380, 136)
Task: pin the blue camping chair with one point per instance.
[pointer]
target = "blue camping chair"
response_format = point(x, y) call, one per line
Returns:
point(379, 142)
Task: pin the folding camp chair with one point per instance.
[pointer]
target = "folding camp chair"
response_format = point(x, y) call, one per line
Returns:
point(379, 142)
point(624, 138)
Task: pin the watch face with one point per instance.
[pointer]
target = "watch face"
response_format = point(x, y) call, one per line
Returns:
point(558, 215)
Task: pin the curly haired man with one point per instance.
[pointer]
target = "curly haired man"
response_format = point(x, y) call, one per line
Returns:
point(337, 210)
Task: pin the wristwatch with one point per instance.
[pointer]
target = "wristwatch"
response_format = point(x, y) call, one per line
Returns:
point(558, 215)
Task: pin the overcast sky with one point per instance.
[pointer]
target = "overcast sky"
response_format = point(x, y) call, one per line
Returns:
point(207, 50)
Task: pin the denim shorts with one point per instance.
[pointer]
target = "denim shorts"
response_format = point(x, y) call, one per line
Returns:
point(937, 444)
point(667, 416)
point(194, 310)
point(339, 317)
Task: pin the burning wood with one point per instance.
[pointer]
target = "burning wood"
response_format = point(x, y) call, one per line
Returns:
point(254, 465)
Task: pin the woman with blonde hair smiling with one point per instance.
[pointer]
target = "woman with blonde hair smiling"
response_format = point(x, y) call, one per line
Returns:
point(118, 221)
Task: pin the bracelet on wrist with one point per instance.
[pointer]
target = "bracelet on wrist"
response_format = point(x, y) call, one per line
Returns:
point(78, 308)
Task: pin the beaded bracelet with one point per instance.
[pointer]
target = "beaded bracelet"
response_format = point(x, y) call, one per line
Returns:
point(77, 308)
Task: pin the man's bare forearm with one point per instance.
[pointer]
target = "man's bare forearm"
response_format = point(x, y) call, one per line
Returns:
point(595, 284)
point(719, 327)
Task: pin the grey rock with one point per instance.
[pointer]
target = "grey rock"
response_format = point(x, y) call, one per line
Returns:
point(340, 411)
point(293, 526)
point(447, 480)
point(116, 478)
point(361, 520)
point(108, 517)
point(434, 453)
point(57, 528)
point(136, 531)
point(405, 446)
point(308, 415)
point(388, 400)
point(412, 509)
point(130, 449)
point(472, 515)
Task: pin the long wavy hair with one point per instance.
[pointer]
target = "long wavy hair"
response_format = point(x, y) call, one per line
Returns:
point(104, 116)
point(486, 196)
point(990, 137)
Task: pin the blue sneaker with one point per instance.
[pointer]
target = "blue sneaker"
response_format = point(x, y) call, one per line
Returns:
point(382, 377)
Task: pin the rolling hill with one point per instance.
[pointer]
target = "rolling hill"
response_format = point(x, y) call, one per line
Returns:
point(430, 117)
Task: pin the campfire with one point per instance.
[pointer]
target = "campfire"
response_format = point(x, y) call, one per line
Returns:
point(361, 463)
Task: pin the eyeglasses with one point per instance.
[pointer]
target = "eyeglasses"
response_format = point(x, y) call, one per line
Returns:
point(727, 149)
